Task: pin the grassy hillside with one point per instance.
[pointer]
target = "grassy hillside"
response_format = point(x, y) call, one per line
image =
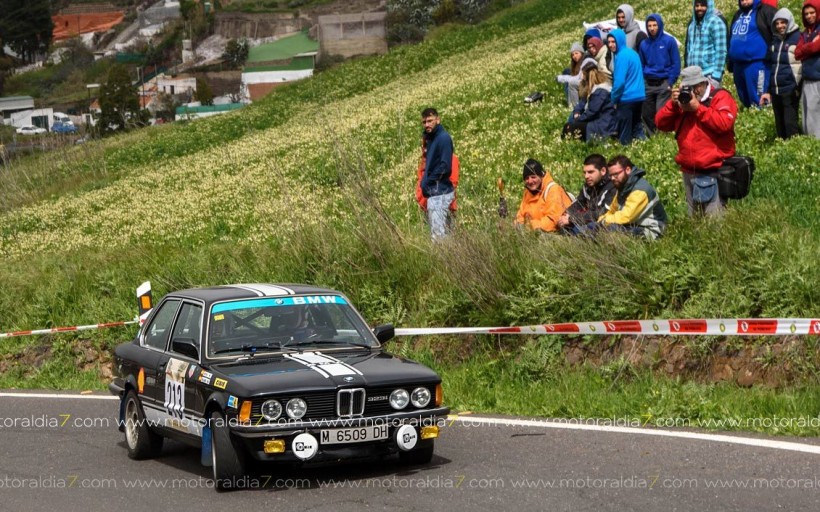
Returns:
point(315, 184)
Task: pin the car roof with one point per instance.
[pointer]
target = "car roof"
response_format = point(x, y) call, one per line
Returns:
point(249, 291)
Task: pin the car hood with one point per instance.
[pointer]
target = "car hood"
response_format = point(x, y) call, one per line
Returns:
point(316, 371)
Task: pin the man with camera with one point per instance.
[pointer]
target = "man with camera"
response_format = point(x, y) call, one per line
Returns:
point(702, 115)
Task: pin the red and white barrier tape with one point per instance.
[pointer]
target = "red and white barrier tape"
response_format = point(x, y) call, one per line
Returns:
point(720, 326)
point(65, 329)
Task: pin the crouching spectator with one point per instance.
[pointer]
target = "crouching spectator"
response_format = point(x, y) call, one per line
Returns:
point(784, 87)
point(702, 115)
point(544, 200)
point(636, 209)
point(594, 198)
point(594, 116)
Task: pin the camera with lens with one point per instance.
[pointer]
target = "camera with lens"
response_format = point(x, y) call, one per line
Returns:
point(685, 95)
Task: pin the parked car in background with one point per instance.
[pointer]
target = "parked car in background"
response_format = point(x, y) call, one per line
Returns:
point(64, 127)
point(30, 130)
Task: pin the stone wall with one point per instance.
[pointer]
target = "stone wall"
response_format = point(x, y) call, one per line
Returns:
point(235, 25)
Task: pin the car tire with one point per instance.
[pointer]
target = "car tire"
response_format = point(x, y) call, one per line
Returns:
point(422, 454)
point(141, 441)
point(228, 456)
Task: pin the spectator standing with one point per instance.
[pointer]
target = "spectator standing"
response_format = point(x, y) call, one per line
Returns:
point(704, 128)
point(661, 68)
point(544, 200)
point(749, 50)
point(786, 71)
point(636, 209)
point(628, 91)
point(625, 19)
point(706, 40)
point(808, 52)
point(594, 116)
point(594, 198)
point(571, 77)
point(454, 172)
point(435, 183)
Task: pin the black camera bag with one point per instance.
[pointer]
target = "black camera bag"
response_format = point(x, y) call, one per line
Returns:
point(735, 177)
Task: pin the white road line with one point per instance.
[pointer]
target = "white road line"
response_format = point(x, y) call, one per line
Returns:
point(512, 422)
point(719, 438)
point(58, 395)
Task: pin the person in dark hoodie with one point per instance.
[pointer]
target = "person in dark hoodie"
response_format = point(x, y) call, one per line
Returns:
point(749, 42)
point(594, 198)
point(628, 91)
point(808, 52)
point(625, 19)
point(436, 185)
point(661, 68)
point(786, 72)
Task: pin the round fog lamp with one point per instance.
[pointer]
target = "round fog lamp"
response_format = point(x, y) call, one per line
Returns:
point(296, 408)
point(399, 399)
point(271, 410)
point(420, 397)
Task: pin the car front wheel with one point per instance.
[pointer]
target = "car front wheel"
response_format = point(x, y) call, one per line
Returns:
point(228, 456)
point(141, 441)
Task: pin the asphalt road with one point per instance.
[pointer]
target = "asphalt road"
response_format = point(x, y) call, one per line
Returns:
point(66, 454)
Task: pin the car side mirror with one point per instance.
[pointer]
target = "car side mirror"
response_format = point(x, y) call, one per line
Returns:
point(384, 333)
point(186, 347)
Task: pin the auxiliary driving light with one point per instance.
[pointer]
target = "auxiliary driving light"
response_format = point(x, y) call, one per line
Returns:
point(430, 432)
point(274, 446)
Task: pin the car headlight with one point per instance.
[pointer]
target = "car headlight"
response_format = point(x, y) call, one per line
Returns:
point(271, 410)
point(296, 408)
point(420, 397)
point(399, 399)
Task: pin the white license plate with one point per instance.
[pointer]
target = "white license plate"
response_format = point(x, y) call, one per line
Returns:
point(354, 435)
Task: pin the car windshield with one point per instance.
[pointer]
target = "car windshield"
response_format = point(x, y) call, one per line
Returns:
point(275, 324)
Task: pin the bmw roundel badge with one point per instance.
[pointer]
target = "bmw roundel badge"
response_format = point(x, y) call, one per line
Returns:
point(348, 379)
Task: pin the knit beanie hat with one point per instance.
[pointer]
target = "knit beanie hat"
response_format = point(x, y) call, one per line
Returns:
point(576, 47)
point(596, 41)
point(533, 168)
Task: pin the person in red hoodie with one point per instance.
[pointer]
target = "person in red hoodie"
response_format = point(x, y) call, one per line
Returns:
point(808, 52)
point(702, 115)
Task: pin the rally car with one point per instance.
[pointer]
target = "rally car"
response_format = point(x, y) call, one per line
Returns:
point(279, 373)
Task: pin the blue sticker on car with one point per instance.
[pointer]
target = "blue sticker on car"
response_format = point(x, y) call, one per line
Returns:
point(286, 301)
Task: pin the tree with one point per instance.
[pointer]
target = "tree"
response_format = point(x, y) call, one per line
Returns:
point(119, 101)
point(236, 52)
point(26, 26)
point(204, 94)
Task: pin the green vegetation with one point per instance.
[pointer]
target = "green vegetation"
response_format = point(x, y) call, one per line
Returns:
point(314, 184)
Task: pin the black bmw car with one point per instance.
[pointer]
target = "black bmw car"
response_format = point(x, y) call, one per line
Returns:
point(279, 373)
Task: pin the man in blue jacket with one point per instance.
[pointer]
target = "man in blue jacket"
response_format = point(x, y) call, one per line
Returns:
point(628, 91)
point(749, 50)
point(435, 183)
point(661, 68)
